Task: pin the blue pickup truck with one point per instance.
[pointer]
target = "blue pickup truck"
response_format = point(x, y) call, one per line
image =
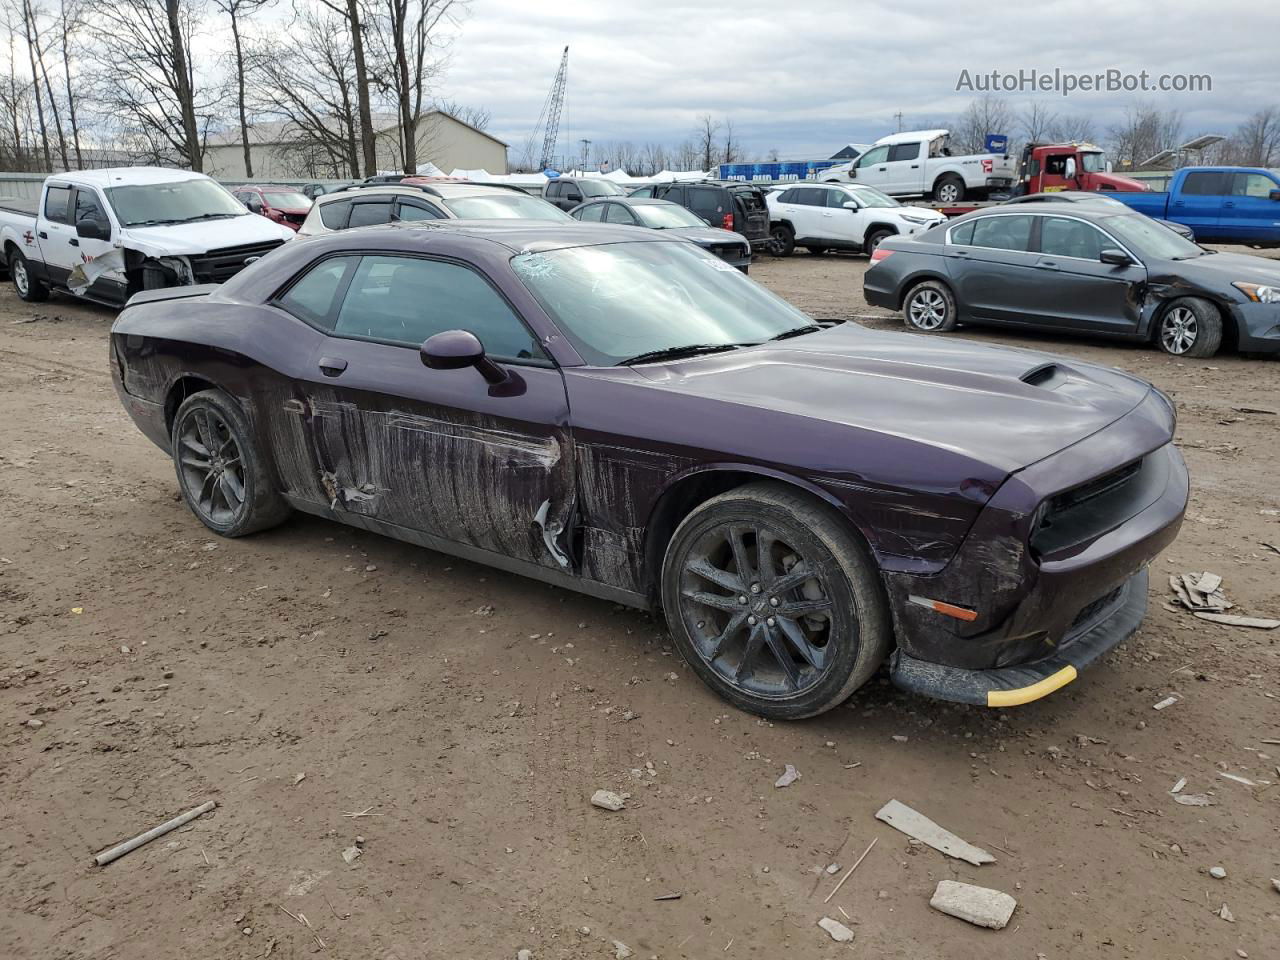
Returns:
point(1221, 204)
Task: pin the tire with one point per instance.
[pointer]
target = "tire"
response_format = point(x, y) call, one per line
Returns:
point(817, 251)
point(755, 657)
point(211, 418)
point(874, 239)
point(29, 287)
point(782, 241)
point(929, 307)
point(950, 189)
point(1190, 327)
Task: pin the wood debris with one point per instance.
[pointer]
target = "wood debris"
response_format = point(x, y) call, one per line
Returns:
point(901, 817)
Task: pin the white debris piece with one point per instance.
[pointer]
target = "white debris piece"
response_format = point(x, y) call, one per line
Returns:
point(1218, 873)
point(789, 776)
point(1193, 799)
point(620, 950)
point(977, 905)
point(1177, 787)
point(1226, 914)
point(525, 954)
point(838, 931)
point(1231, 620)
point(1166, 702)
point(607, 800)
point(1275, 884)
point(1231, 776)
point(901, 817)
point(352, 854)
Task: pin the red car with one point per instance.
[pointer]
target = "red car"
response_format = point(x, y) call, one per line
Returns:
point(282, 204)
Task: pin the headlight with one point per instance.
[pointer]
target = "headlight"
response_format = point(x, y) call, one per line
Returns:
point(910, 219)
point(1258, 293)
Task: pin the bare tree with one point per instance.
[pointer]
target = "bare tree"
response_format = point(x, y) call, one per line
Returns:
point(353, 15)
point(1145, 132)
point(652, 159)
point(237, 12)
point(1035, 122)
point(706, 140)
point(145, 77)
point(732, 149)
point(478, 117)
point(31, 31)
point(1258, 138)
point(1072, 128)
point(69, 22)
point(984, 115)
point(773, 155)
point(14, 102)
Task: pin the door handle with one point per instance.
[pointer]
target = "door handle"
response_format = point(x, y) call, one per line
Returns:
point(915, 166)
point(1228, 203)
point(882, 169)
point(44, 235)
point(1046, 265)
point(332, 366)
point(74, 242)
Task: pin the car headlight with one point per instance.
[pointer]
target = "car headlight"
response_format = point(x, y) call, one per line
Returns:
point(1258, 292)
point(910, 219)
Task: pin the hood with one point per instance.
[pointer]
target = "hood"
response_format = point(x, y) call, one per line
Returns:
point(1117, 182)
point(180, 239)
point(1226, 268)
point(1004, 407)
point(704, 236)
point(924, 212)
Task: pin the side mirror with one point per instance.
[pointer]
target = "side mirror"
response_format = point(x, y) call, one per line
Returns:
point(254, 204)
point(457, 349)
point(1110, 166)
point(850, 205)
point(1117, 258)
point(89, 229)
point(1070, 170)
point(1274, 194)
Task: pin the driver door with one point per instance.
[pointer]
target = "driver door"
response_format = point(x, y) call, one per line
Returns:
point(441, 452)
point(873, 168)
point(112, 284)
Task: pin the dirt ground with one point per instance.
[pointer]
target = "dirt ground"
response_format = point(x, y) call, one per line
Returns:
point(323, 684)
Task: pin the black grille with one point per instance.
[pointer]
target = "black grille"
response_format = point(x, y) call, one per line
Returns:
point(224, 263)
point(1076, 515)
point(1092, 610)
point(727, 251)
point(1094, 488)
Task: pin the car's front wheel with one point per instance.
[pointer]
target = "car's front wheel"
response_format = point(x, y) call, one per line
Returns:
point(1191, 327)
point(874, 239)
point(774, 602)
point(223, 478)
point(28, 286)
point(930, 307)
point(782, 241)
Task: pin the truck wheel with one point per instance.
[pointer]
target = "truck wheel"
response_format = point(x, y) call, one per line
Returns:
point(930, 307)
point(28, 286)
point(874, 239)
point(774, 602)
point(950, 189)
point(1191, 327)
point(782, 241)
point(223, 478)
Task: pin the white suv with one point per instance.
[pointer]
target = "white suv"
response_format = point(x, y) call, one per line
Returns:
point(828, 216)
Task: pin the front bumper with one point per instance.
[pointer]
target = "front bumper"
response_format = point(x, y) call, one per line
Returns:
point(1099, 631)
point(1258, 325)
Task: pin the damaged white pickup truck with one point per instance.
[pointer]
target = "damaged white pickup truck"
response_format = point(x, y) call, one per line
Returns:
point(104, 235)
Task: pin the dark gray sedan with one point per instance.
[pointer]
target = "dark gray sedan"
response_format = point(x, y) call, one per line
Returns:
point(733, 248)
point(1080, 269)
point(1100, 200)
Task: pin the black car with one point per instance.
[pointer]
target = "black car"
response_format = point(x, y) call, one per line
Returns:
point(567, 192)
point(733, 248)
point(1099, 200)
point(728, 204)
point(1084, 270)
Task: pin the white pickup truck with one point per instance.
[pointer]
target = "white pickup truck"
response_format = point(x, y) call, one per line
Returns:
point(920, 164)
point(104, 235)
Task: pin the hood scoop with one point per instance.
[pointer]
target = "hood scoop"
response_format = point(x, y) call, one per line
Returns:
point(1047, 375)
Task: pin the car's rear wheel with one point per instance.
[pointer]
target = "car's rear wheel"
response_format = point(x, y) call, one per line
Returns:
point(874, 240)
point(222, 476)
point(782, 241)
point(950, 189)
point(28, 286)
point(774, 602)
point(1190, 327)
point(930, 307)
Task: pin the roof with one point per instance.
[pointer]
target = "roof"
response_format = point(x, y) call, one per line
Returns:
point(277, 132)
point(128, 176)
point(911, 136)
point(518, 236)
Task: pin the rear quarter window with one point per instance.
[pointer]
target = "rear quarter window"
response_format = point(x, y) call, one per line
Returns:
point(55, 204)
point(963, 234)
point(312, 298)
point(334, 215)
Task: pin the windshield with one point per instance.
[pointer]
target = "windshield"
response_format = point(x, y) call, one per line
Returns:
point(600, 188)
point(619, 300)
point(505, 205)
point(286, 201)
point(1093, 162)
point(871, 197)
point(660, 216)
point(176, 202)
point(1150, 238)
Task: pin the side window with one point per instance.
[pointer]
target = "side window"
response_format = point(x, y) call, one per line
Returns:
point(405, 300)
point(312, 298)
point(592, 212)
point(873, 156)
point(810, 197)
point(1251, 185)
point(1063, 237)
point(334, 215)
point(1204, 183)
point(417, 211)
point(618, 214)
point(1056, 165)
point(553, 188)
point(643, 192)
point(570, 191)
point(787, 196)
point(837, 198)
point(904, 151)
point(87, 207)
point(56, 200)
point(962, 234)
point(1002, 233)
point(368, 214)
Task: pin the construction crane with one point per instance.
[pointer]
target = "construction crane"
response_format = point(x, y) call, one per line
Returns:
point(550, 116)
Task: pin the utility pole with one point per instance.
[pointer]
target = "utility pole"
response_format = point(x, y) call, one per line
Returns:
point(898, 116)
point(585, 144)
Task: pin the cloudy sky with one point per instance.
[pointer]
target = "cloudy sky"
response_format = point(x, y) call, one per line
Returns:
point(809, 76)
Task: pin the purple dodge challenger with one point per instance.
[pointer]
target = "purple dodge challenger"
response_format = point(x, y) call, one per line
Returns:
point(621, 413)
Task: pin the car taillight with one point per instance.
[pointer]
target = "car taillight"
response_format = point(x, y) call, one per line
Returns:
point(880, 253)
point(727, 223)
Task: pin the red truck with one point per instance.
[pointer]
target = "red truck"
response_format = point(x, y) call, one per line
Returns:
point(1049, 167)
